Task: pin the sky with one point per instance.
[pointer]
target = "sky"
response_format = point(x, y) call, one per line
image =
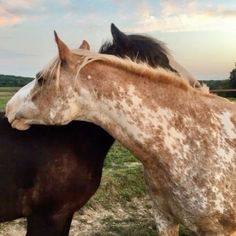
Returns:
point(201, 34)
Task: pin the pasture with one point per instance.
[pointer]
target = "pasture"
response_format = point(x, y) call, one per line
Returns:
point(120, 207)
point(5, 94)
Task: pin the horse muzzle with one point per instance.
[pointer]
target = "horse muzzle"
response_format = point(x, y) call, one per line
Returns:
point(20, 124)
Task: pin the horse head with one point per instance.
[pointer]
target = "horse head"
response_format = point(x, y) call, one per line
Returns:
point(46, 99)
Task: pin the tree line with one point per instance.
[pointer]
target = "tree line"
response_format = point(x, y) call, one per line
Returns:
point(229, 83)
point(220, 84)
point(13, 81)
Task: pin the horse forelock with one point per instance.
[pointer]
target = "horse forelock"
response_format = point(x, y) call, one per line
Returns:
point(51, 70)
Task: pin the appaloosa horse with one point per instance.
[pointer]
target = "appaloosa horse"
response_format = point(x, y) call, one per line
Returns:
point(31, 162)
point(185, 138)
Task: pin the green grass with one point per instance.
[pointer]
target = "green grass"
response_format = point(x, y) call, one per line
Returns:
point(9, 89)
point(122, 179)
point(3, 101)
point(5, 94)
point(119, 157)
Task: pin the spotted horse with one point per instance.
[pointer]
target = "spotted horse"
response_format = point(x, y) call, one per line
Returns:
point(29, 166)
point(185, 137)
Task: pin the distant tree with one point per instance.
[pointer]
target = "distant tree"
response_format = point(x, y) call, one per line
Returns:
point(232, 78)
point(13, 81)
point(217, 84)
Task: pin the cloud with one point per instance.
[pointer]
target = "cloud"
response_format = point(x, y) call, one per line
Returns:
point(16, 11)
point(7, 18)
point(170, 7)
point(185, 15)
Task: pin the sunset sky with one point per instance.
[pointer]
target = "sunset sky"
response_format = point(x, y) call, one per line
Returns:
point(200, 34)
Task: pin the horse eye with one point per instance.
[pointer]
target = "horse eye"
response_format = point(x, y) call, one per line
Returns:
point(39, 79)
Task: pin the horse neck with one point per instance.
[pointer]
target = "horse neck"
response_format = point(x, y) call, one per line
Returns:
point(127, 106)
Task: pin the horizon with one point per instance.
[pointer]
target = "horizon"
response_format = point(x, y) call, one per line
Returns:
point(200, 34)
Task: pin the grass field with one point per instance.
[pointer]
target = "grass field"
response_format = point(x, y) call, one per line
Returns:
point(120, 207)
point(5, 95)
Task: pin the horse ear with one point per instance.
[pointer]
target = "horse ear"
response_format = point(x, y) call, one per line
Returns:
point(64, 52)
point(84, 45)
point(118, 36)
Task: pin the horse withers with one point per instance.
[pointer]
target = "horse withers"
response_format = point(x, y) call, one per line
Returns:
point(158, 116)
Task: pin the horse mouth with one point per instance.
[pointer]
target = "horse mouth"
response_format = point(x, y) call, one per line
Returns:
point(20, 125)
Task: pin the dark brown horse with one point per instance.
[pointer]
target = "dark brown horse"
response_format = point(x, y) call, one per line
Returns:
point(47, 173)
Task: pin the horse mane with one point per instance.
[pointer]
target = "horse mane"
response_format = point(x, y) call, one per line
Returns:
point(152, 51)
point(140, 42)
point(52, 70)
point(142, 69)
point(142, 48)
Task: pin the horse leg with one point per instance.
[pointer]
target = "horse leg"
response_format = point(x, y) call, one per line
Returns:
point(46, 225)
point(165, 224)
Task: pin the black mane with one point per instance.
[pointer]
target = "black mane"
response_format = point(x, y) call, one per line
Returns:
point(137, 47)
